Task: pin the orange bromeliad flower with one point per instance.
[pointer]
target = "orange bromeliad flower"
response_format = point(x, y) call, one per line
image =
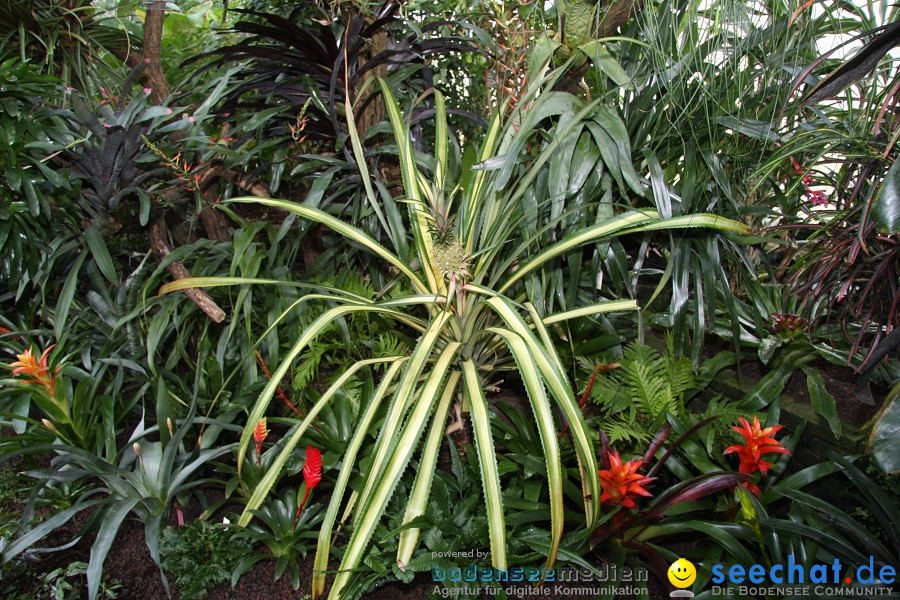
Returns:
point(757, 441)
point(260, 433)
point(37, 370)
point(621, 483)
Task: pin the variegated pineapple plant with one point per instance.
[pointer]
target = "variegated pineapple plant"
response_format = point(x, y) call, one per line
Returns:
point(475, 246)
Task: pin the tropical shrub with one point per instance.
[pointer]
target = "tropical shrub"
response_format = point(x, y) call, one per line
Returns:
point(477, 243)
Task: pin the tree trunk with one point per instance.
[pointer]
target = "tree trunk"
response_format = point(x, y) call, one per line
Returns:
point(154, 77)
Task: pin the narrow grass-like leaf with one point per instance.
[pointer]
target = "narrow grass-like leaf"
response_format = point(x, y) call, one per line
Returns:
point(418, 498)
point(372, 506)
point(593, 309)
point(544, 419)
point(274, 471)
point(323, 548)
point(490, 476)
point(348, 231)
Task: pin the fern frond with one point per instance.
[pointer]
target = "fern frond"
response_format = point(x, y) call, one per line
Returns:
point(621, 430)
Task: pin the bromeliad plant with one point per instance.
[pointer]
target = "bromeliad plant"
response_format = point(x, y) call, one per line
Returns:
point(482, 231)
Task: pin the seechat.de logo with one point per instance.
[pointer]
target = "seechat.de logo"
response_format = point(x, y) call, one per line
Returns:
point(817, 580)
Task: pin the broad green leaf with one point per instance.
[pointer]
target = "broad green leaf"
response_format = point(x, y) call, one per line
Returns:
point(886, 205)
point(101, 254)
point(67, 295)
point(606, 63)
point(768, 388)
point(822, 401)
point(884, 441)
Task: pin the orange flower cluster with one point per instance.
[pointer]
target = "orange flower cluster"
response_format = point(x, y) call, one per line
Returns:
point(757, 441)
point(37, 370)
point(621, 483)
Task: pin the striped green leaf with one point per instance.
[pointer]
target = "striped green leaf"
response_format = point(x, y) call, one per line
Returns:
point(274, 473)
point(394, 418)
point(421, 490)
point(593, 309)
point(490, 476)
point(372, 507)
point(409, 173)
point(556, 382)
point(346, 230)
point(316, 327)
point(323, 548)
point(544, 418)
point(608, 228)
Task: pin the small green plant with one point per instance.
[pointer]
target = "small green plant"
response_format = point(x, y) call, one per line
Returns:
point(69, 582)
point(287, 532)
point(200, 555)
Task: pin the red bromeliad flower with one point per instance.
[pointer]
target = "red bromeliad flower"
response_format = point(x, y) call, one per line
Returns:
point(38, 371)
point(312, 475)
point(621, 483)
point(757, 441)
point(260, 433)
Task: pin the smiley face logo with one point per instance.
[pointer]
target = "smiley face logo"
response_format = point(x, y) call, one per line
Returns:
point(682, 573)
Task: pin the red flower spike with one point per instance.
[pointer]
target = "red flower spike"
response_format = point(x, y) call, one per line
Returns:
point(260, 433)
point(312, 475)
point(621, 483)
point(39, 372)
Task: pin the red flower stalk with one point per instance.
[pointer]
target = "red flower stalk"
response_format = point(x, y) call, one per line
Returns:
point(38, 371)
point(278, 390)
point(757, 441)
point(599, 368)
point(260, 433)
point(621, 483)
point(312, 475)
